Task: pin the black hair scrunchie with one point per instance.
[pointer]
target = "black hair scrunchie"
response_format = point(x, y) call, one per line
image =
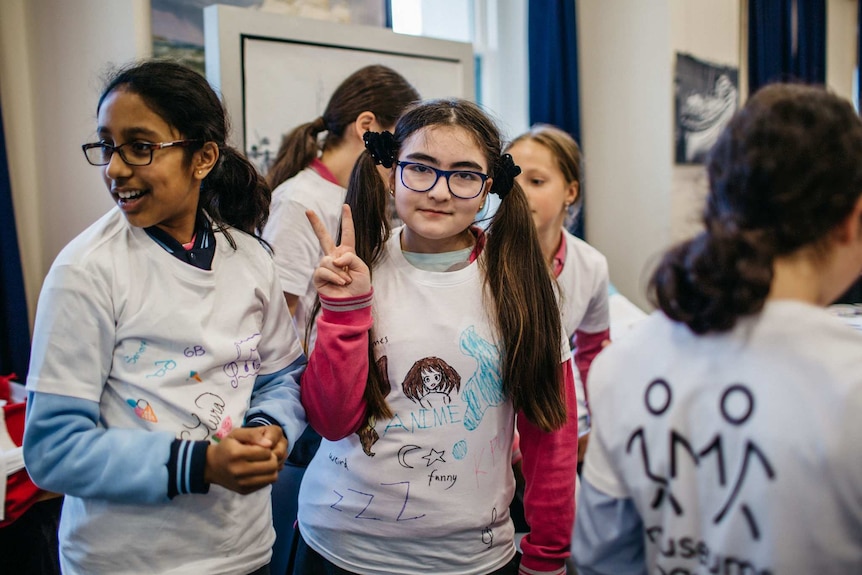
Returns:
point(505, 178)
point(381, 146)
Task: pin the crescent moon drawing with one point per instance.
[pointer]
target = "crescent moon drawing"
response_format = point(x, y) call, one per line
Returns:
point(402, 453)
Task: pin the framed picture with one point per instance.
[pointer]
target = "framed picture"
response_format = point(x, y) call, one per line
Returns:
point(276, 72)
point(707, 95)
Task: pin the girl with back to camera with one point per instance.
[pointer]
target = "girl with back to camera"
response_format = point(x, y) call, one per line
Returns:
point(308, 176)
point(550, 162)
point(726, 427)
point(398, 488)
point(163, 379)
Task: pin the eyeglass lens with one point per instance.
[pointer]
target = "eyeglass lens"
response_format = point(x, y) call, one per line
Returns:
point(132, 153)
point(421, 178)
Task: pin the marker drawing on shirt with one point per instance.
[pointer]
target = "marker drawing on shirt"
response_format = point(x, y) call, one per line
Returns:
point(137, 355)
point(143, 409)
point(247, 362)
point(657, 398)
point(430, 382)
point(484, 388)
point(736, 405)
point(365, 502)
point(488, 531)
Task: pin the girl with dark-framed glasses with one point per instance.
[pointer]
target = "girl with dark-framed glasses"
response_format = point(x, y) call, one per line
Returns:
point(164, 373)
point(402, 485)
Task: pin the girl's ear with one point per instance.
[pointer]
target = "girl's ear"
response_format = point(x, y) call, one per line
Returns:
point(850, 230)
point(573, 192)
point(204, 160)
point(391, 182)
point(364, 122)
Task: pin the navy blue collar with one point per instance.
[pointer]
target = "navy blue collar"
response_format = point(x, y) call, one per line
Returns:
point(202, 252)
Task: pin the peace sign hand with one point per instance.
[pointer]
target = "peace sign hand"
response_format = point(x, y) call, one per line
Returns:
point(341, 272)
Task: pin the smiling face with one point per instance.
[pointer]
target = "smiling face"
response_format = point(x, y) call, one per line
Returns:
point(164, 193)
point(436, 221)
point(544, 183)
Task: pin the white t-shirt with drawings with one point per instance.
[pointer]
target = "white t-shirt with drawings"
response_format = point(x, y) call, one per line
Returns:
point(163, 346)
point(740, 451)
point(428, 490)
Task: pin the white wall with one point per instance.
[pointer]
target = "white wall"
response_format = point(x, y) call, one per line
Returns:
point(626, 131)
point(842, 25)
point(52, 56)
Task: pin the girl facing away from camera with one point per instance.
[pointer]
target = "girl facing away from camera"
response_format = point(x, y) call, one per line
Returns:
point(307, 175)
point(398, 487)
point(550, 162)
point(164, 373)
point(726, 427)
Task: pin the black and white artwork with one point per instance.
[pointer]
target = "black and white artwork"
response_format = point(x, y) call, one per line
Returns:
point(707, 95)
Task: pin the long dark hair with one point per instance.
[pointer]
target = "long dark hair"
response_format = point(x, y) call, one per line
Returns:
point(527, 313)
point(234, 194)
point(783, 174)
point(376, 89)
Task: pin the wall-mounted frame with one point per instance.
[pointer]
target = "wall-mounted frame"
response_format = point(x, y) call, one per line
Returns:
point(275, 72)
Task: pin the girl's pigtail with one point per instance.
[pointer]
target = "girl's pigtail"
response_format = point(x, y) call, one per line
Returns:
point(366, 196)
point(296, 152)
point(235, 194)
point(528, 313)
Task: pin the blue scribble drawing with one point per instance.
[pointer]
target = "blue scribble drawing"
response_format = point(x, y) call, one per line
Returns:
point(484, 389)
point(247, 362)
point(459, 450)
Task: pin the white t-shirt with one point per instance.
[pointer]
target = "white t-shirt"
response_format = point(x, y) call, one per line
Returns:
point(296, 249)
point(583, 284)
point(432, 493)
point(162, 345)
point(740, 450)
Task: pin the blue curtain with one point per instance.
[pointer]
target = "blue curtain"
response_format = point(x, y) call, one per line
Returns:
point(782, 48)
point(14, 326)
point(553, 59)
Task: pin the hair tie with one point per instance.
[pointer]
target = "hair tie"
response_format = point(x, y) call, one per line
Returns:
point(505, 178)
point(381, 146)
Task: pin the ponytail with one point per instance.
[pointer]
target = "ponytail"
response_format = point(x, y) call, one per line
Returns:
point(366, 196)
point(714, 279)
point(234, 194)
point(527, 313)
point(296, 152)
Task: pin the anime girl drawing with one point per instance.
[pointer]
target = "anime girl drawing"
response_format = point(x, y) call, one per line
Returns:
point(430, 381)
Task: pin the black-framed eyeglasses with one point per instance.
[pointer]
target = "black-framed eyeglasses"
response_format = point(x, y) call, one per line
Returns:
point(462, 184)
point(135, 153)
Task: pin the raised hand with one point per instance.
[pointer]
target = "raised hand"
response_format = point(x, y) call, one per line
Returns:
point(341, 272)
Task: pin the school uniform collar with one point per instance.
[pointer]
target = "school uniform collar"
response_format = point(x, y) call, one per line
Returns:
point(323, 171)
point(560, 256)
point(202, 251)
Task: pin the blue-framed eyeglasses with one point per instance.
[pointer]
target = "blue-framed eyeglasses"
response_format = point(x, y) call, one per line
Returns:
point(462, 184)
point(136, 153)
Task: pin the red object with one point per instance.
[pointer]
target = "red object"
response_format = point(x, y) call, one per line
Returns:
point(21, 493)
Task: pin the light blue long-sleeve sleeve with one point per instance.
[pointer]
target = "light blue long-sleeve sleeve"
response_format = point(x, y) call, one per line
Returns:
point(67, 451)
point(276, 396)
point(609, 538)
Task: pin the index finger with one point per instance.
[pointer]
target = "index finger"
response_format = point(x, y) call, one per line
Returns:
point(326, 243)
point(348, 233)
